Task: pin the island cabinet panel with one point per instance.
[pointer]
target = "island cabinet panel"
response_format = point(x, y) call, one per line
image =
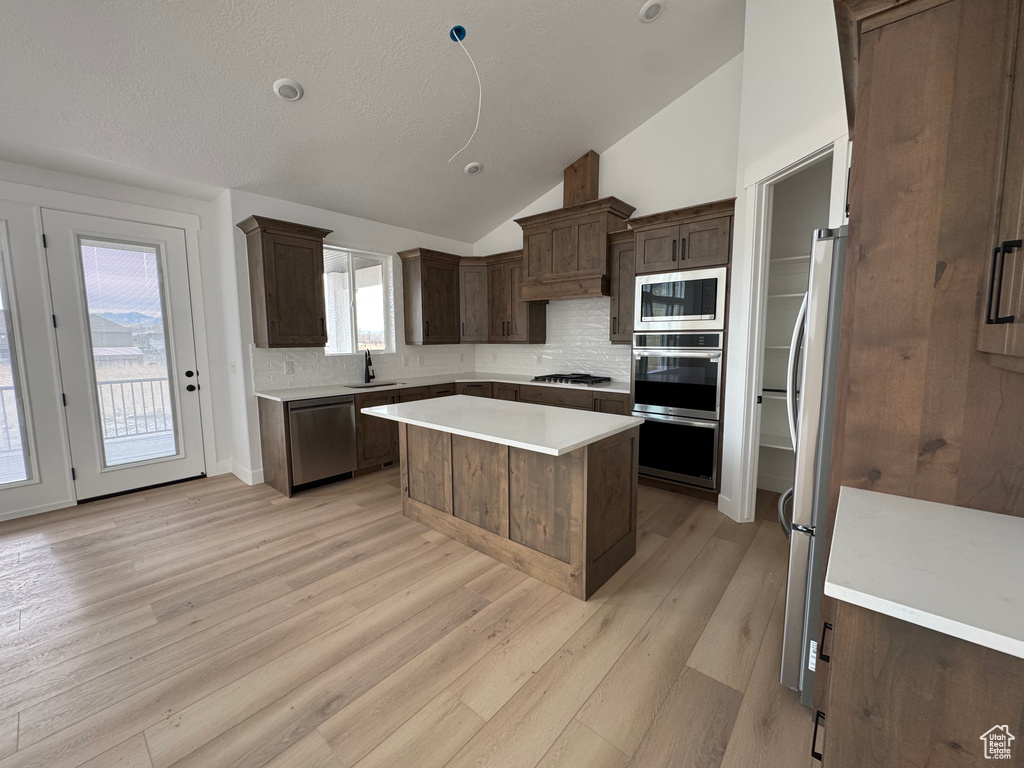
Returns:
point(545, 501)
point(480, 483)
point(569, 521)
point(429, 469)
point(903, 696)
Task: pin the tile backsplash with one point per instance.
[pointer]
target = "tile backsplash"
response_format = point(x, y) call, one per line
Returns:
point(577, 336)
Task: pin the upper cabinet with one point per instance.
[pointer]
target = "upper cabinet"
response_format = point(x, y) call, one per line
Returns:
point(473, 301)
point(565, 252)
point(700, 236)
point(432, 288)
point(1002, 321)
point(286, 282)
point(623, 270)
point(510, 318)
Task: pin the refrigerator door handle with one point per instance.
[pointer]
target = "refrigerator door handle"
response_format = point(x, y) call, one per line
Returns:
point(793, 370)
point(784, 519)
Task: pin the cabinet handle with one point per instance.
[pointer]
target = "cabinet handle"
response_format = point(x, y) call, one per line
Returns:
point(682, 249)
point(819, 719)
point(427, 331)
point(463, 329)
point(323, 327)
point(673, 250)
point(825, 627)
point(615, 325)
point(995, 285)
point(502, 327)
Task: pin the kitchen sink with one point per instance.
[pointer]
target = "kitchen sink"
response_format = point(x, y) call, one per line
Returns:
point(375, 384)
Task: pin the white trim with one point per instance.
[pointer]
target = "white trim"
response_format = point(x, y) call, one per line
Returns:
point(758, 223)
point(73, 202)
point(37, 510)
point(249, 477)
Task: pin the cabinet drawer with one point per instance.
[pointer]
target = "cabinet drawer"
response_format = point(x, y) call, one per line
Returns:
point(441, 390)
point(566, 398)
point(505, 391)
point(413, 394)
point(475, 389)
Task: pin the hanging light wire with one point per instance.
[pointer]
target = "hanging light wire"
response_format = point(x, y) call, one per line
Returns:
point(480, 94)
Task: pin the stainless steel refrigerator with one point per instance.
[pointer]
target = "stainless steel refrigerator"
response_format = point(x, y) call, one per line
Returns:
point(803, 511)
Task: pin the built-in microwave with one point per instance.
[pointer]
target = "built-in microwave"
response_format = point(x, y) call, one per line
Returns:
point(690, 300)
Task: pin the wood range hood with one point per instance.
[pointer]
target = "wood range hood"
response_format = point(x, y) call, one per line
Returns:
point(565, 251)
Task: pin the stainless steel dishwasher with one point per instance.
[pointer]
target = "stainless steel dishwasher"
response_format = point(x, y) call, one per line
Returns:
point(322, 436)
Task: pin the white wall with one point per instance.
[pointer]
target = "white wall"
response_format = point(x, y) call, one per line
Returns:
point(684, 155)
point(792, 105)
point(252, 368)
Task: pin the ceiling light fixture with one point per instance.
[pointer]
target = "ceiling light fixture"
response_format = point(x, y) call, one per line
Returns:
point(473, 168)
point(651, 10)
point(288, 89)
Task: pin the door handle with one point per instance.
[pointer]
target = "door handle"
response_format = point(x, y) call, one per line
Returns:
point(191, 388)
point(826, 627)
point(189, 374)
point(819, 719)
point(995, 285)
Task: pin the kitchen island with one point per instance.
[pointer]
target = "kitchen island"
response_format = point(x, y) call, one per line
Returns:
point(550, 491)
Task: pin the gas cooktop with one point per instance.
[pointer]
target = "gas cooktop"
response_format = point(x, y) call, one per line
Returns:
point(582, 379)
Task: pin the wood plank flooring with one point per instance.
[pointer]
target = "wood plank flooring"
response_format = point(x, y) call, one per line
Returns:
point(214, 624)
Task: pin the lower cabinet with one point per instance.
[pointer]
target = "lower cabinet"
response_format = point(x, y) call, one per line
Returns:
point(441, 390)
point(375, 438)
point(581, 399)
point(903, 696)
point(502, 391)
point(612, 402)
point(474, 388)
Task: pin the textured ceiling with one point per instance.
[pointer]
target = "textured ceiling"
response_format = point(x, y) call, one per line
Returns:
point(182, 89)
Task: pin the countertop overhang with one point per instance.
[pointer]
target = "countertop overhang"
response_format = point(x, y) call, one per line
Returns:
point(955, 570)
point(540, 428)
point(407, 382)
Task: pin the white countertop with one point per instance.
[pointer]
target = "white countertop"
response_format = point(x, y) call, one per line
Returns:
point(952, 569)
point(405, 382)
point(541, 428)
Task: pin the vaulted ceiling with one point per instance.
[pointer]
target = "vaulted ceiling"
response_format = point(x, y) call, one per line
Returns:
point(182, 90)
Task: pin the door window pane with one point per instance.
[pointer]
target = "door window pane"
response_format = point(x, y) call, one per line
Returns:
point(124, 296)
point(14, 465)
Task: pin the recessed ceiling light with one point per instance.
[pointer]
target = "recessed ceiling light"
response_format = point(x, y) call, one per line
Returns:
point(288, 89)
point(650, 10)
point(473, 168)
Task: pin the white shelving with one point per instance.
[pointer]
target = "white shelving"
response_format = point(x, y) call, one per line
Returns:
point(781, 442)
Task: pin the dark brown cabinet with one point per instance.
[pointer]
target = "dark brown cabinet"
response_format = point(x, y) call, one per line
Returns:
point(580, 399)
point(565, 252)
point(700, 236)
point(473, 290)
point(441, 390)
point(510, 318)
point(432, 305)
point(286, 282)
point(623, 272)
point(375, 438)
point(612, 402)
point(502, 391)
point(474, 389)
point(902, 696)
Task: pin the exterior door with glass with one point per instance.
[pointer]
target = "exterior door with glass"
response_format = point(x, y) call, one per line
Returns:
point(127, 353)
point(35, 469)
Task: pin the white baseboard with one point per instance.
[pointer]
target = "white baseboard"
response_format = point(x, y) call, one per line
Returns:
point(247, 476)
point(38, 510)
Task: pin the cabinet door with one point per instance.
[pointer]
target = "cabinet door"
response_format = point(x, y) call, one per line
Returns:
point(374, 436)
point(537, 253)
point(412, 395)
point(473, 299)
point(623, 267)
point(440, 303)
point(498, 300)
point(294, 270)
point(441, 390)
point(518, 310)
point(505, 391)
point(706, 243)
point(658, 250)
point(612, 402)
point(902, 696)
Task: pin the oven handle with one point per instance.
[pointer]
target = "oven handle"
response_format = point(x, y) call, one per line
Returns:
point(677, 420)
point(668, 352)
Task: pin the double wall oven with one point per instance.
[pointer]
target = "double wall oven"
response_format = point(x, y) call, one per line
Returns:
point(678, 362)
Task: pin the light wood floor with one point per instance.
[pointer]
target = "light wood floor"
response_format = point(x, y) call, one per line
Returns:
point(214, 624)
